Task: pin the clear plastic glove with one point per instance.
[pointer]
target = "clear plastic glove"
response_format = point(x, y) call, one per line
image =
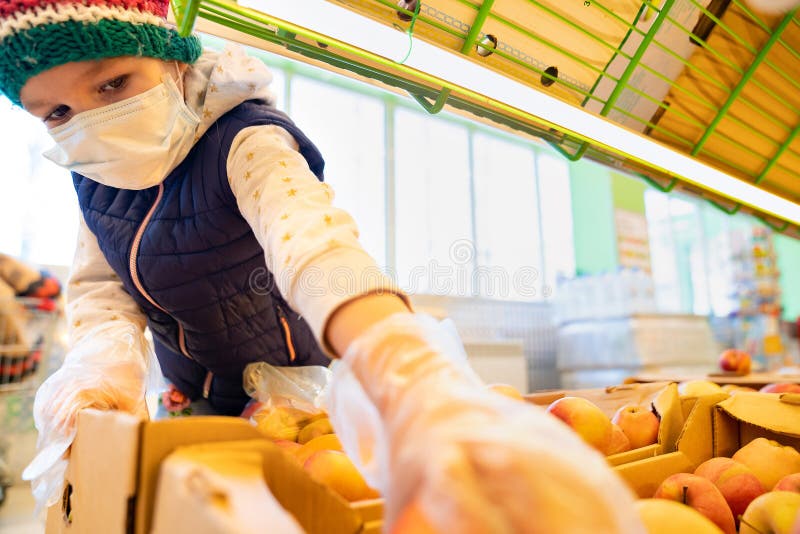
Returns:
point(106, 370)
point(428, 434)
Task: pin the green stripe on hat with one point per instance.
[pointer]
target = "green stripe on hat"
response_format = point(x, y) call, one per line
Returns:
point(29, 52)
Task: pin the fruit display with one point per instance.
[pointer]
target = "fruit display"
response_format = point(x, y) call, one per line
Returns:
point(308, 438)
point(631, 427)
point(756, 491)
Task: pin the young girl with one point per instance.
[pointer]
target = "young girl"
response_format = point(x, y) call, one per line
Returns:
point(205, 218)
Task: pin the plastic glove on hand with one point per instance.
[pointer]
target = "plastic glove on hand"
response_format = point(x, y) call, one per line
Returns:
point(473, 461)
point(106, 371)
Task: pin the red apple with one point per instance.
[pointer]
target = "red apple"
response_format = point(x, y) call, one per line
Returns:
point(639, 423)
point(702, 495)
point(796, 527)
point(781, 387)
point(735, 360)
point(585, 418)
point(769, 460)
point(788, 483)
point(619, 441)
point(737, 483)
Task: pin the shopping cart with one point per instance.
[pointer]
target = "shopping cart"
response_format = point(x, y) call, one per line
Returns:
point(27, 331)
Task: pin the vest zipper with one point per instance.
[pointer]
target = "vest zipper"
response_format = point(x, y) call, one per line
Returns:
point(137, 240)
point(287, 332)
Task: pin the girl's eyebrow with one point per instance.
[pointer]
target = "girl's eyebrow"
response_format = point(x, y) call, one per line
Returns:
point(90, 71)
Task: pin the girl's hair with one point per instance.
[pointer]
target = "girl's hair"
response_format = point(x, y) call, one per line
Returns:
point(37, 35)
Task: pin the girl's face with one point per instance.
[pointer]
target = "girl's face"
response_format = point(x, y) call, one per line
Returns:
point(58, 94)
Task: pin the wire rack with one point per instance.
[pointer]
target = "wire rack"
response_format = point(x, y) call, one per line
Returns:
point(714, 79)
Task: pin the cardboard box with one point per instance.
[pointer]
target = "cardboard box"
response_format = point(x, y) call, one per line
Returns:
point(663, 396)
point(718, 425)
point(113, 475)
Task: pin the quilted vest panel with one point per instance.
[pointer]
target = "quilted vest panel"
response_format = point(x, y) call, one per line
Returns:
point(207, 290)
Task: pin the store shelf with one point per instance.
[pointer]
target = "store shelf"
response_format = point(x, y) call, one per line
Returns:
point(714, 81)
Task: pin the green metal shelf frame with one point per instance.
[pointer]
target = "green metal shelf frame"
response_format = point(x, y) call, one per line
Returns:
point(433, 94)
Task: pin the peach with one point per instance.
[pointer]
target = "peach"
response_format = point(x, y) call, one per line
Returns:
point(661, 516)
point(619, 441)
point(585, 418)
point(322, 443)
point(506, 389)
point(788, 483)
point(702, 495)
point(769, 460)
point(781, 387)
point(737, 483)
point(737, 361)
point(639, 424)
point(772, 513)
point(335, 470)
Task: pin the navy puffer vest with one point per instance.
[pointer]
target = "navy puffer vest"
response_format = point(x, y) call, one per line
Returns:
point(198, 271)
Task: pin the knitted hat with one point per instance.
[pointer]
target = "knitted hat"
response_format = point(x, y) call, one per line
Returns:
point(36, 35)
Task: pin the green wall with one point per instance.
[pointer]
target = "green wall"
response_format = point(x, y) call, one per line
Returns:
point(592, 218)
point(788, 252)
point(596, 193)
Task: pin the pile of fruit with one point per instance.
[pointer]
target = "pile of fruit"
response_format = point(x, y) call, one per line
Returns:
point(632, 426)
point(756, 490)
point(308, 438)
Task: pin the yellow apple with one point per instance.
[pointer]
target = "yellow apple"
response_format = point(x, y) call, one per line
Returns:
point(698, 388)
point(661, 516)
point(585, 418)
point(772, 513)
point(769, 460)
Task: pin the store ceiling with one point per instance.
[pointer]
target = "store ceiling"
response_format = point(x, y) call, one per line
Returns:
point(716, 81)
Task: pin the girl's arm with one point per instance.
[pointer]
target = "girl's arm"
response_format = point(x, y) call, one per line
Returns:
point(95, 295)
point(311, 247)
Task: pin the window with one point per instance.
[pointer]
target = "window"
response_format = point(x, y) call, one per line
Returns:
point(433, 228)
point(555, 203)
point(506, 219)
point(38, 207)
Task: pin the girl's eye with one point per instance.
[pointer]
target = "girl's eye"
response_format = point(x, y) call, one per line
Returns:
point(58, 114)
point(113, 85)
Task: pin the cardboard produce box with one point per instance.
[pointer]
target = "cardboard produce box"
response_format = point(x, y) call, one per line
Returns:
point(114, 468)
point(662, 396)
point(718, 425)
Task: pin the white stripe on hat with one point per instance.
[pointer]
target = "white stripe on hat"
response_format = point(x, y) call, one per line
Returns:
point(55, 14)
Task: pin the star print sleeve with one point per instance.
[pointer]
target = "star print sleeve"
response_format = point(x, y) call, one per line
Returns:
point(95, 295)
point(311, 247)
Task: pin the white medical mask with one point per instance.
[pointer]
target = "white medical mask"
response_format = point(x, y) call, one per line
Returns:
point(131, 144)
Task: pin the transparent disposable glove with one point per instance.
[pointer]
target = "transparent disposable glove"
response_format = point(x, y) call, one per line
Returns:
point(106, 370)
point(427, 433)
